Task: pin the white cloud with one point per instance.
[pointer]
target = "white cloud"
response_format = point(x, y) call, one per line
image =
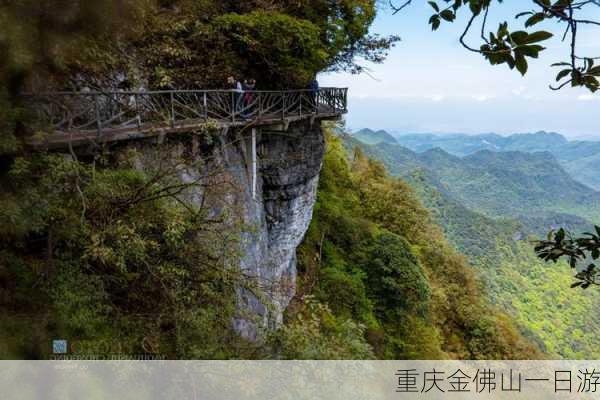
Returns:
point(483, 97)
point(519, 91)
point(588, 97)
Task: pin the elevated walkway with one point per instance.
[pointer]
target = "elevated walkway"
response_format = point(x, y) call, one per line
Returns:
point(79, 118)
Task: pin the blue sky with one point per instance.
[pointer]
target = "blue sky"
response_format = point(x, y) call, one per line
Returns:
point(430, 83)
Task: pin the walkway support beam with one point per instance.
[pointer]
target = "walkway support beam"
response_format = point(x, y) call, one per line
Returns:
point(254, 164)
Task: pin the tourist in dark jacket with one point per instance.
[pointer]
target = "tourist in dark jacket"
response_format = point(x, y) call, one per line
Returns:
point(314, 91)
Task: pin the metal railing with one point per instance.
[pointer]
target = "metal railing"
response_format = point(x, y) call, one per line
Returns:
point(102, 112)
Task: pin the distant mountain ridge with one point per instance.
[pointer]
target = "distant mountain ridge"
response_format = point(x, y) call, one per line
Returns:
point(581, 159)
point(509, 184)
point(369, 136)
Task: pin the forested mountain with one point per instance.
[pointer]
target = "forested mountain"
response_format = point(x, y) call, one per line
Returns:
point(373, 137)
point(580, 158)
point(374, 257)
point(489, 205)
point(499, 184)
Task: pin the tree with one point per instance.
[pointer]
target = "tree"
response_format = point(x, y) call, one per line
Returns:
point(395, 278)
point(513, 47)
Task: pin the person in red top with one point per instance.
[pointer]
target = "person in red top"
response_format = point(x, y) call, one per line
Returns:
point(249, 95)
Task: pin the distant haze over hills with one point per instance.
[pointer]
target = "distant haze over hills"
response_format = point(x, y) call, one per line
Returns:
point(580, 158)
point(369, 136)
point(497, 184)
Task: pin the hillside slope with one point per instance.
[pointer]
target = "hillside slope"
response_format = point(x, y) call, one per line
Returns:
point(374, 256)
point(537, 295)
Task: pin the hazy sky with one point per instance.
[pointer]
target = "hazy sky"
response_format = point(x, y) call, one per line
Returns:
point(431, 84)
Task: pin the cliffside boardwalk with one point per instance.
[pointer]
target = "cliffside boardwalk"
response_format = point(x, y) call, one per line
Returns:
point(79, 118)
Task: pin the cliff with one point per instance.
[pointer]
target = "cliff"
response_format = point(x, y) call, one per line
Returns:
point(271, 224)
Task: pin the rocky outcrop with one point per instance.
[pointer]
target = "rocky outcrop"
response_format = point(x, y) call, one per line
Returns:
point(273, 221)
point(289, 167)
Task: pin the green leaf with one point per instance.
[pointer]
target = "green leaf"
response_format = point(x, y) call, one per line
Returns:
point(594, 71)
point(448, 15)
point(519, 37)
point(521, 63)
point(534, 19)
point(573, 262)
point(562, 74)
point(589, 62)
point(435, 22)
point(538, 36)
point(532, 51)
point(434, 6)
point(475, 6)
point(522, 14)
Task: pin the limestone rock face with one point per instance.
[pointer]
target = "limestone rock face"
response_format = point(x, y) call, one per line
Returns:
point(288, 175)
point(274, 220)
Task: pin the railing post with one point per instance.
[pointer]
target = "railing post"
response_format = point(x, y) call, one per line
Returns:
point(98, 120)
point(260, 100)
point(137, 110)
point(205, 108)
point(254, 163)
point(283, 102)
point(233, 106)
point(345, 100)
point(172, 110)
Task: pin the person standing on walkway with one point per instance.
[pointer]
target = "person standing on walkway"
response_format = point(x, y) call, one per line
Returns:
point(249, 87)
point(238, 91)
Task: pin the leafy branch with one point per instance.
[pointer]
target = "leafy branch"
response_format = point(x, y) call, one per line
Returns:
point(514, 47)
point(562, 244)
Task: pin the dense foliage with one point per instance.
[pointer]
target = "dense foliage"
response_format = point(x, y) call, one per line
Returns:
point(154, 44)
point(186, 42)
point(373, 255)
point(111, 258)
